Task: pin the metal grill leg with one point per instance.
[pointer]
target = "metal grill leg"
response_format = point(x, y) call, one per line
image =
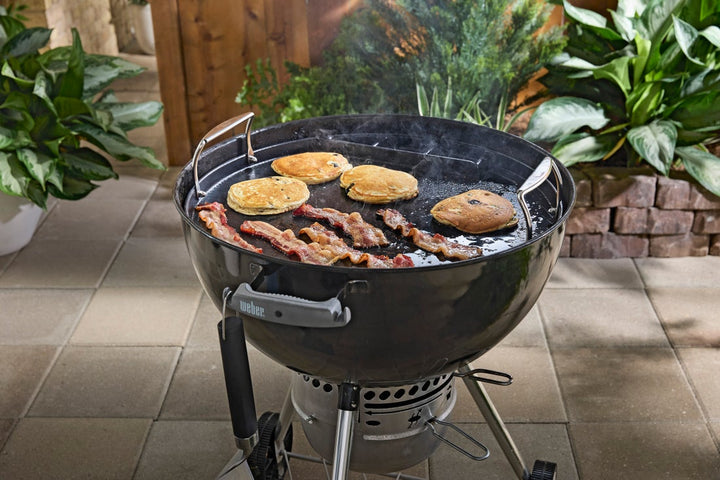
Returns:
point(479, 394)
point(348, 400)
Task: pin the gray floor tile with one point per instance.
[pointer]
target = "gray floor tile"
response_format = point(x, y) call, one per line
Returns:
point(533, 378)
point(6, 426)
point(528, 333)
point(600, 317)
point(138, 316)
point(548, 442)
point(40, 317)
point(48, 263)
point(204, 333)
point(160, 218)
point(135, 182)
point(22, 368)
point(715, 429)
point(78, 448)
point(644, 451)
point(152, 262)
point(78, 220)
point(689, 315)
point(593, 273)
point(106, 382)
point(624, 385)
point(703, 369)
point(192, 450)
point(5, 261)
point(679, 272)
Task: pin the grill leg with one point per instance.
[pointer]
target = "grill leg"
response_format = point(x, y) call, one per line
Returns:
point(479, 394)
point(348, 400)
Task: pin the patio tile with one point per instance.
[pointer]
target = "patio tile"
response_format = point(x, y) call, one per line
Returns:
point(106, 382)
point(160, 218)
point(533, 378)
point(679, 272)
point(624, 384)
point(689, 315)
point(47, 263)
point(6, 426)
point(52, 448)
point(152, 262)
point(138, 316)
point(135, 182)
point(703, 367)
point(5, 261)
point(594, 273)
point(644, 451)
point(204, 332)
point(548, 442)
point(177, 450)
point(715, 429)
point(22, 369)
point(600, 317)
point(40, 317)
point(78, 220)
point(199, 376)
point(528, 333)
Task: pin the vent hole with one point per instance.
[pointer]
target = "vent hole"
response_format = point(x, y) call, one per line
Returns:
point(426, 385)
point(316, 383)
point(413, 390)
point(372, 423)
point(384, 395)
point(328, 388)
point(369, 395)
point(399, 393)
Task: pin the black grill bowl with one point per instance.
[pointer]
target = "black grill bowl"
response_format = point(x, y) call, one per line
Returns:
point(406, 324)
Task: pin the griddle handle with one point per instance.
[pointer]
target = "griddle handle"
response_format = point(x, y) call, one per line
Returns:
point(238, 383)
point(536, 178)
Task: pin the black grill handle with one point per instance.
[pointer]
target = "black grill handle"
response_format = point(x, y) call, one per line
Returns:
point(238, 383)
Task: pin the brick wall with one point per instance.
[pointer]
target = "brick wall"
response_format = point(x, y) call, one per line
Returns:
point(623, 212)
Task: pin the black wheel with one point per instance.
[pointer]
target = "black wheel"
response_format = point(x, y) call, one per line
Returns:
point(262, 460)
point(543, 470)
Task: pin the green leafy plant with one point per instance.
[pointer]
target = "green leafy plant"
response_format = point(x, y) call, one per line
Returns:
point(57, 116)
point(388, 54)
point(646, 85)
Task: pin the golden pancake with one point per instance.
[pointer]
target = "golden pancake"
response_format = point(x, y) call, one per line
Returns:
point(267, 196)
point(475, 211)
point(312, 167)
point(374, 184)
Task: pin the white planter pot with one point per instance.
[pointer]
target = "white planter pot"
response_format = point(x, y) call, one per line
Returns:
point(18, 220)
point(143, 26)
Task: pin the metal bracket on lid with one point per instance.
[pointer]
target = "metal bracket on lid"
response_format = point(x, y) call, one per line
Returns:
point(536, 178)
point(213, 134)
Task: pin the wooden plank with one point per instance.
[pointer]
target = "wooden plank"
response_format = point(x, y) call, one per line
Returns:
point(171, 73)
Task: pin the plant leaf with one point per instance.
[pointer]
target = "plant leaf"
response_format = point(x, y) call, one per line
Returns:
point(561, 116)
point(699, 111)
point(686, 35)
point(117, 146)
point(39, 165)
point(583, 147)
point(72, 188)
point(13, 178)
point(26, 41)
point(102, 70)
point(655, 143)
point(584, 16)
point(89, 164)
point(623, 25)
point(712, 34)
point(71, 84)
point(617, 71)
point(133, 115)
point(703, 166)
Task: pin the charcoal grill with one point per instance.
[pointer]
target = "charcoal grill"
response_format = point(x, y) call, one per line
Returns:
point(389, 342)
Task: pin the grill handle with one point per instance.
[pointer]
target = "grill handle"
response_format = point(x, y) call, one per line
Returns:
point(213, 134)
point(288, 310)
point(536, 178)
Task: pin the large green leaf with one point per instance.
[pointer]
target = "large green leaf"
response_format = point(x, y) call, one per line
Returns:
point(562, 116)
point(141, 114)
point(584, 16)
point(72, 188)
point(13, 177)
point(644, 101)
point(14, 139)
point(117, 146)
point(617, 71)
point(703, 166)
point(712, 34)
point(39, 165)
point(583, 147)
point(655, 143)
point(102, 70)
point(71, 85)
point(26, 41)
point(89, 164)
point(698, 111)
point(686, 35)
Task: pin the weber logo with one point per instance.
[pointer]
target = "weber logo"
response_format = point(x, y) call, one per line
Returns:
point(251, 309)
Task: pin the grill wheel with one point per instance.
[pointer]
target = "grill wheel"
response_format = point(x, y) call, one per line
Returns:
point(543, 470)
point(262, 460)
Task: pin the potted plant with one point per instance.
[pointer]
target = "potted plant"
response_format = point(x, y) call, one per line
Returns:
point(58, 121)
point(645, 84)
point(141, 16)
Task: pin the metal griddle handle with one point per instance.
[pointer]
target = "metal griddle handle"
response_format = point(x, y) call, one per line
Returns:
point(288, 310)
point(213, 134)
point(536, 178)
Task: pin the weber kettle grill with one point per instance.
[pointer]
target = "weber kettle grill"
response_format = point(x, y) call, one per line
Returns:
point(375, 352)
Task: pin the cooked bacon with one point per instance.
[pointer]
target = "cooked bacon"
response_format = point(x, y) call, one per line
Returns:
point(352, 224)
point(289, 244)
point(427, 241)
point(213, 214)
point(327, 238)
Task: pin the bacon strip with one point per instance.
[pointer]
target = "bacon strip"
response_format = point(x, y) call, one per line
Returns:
point(327, 238)
point(213, 214)
point(289, 244)
point(427, 241)
point(352, 224)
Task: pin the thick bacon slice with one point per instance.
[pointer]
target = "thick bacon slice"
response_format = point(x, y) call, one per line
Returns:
point(352, 224)
point(327, 238)
point(427, 241)
point(289, 244)
point(213, 214)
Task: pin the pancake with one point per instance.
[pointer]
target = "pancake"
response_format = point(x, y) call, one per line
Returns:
point(374, 184)
point(475, 211)
point(312, 167)
point(267, 196)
